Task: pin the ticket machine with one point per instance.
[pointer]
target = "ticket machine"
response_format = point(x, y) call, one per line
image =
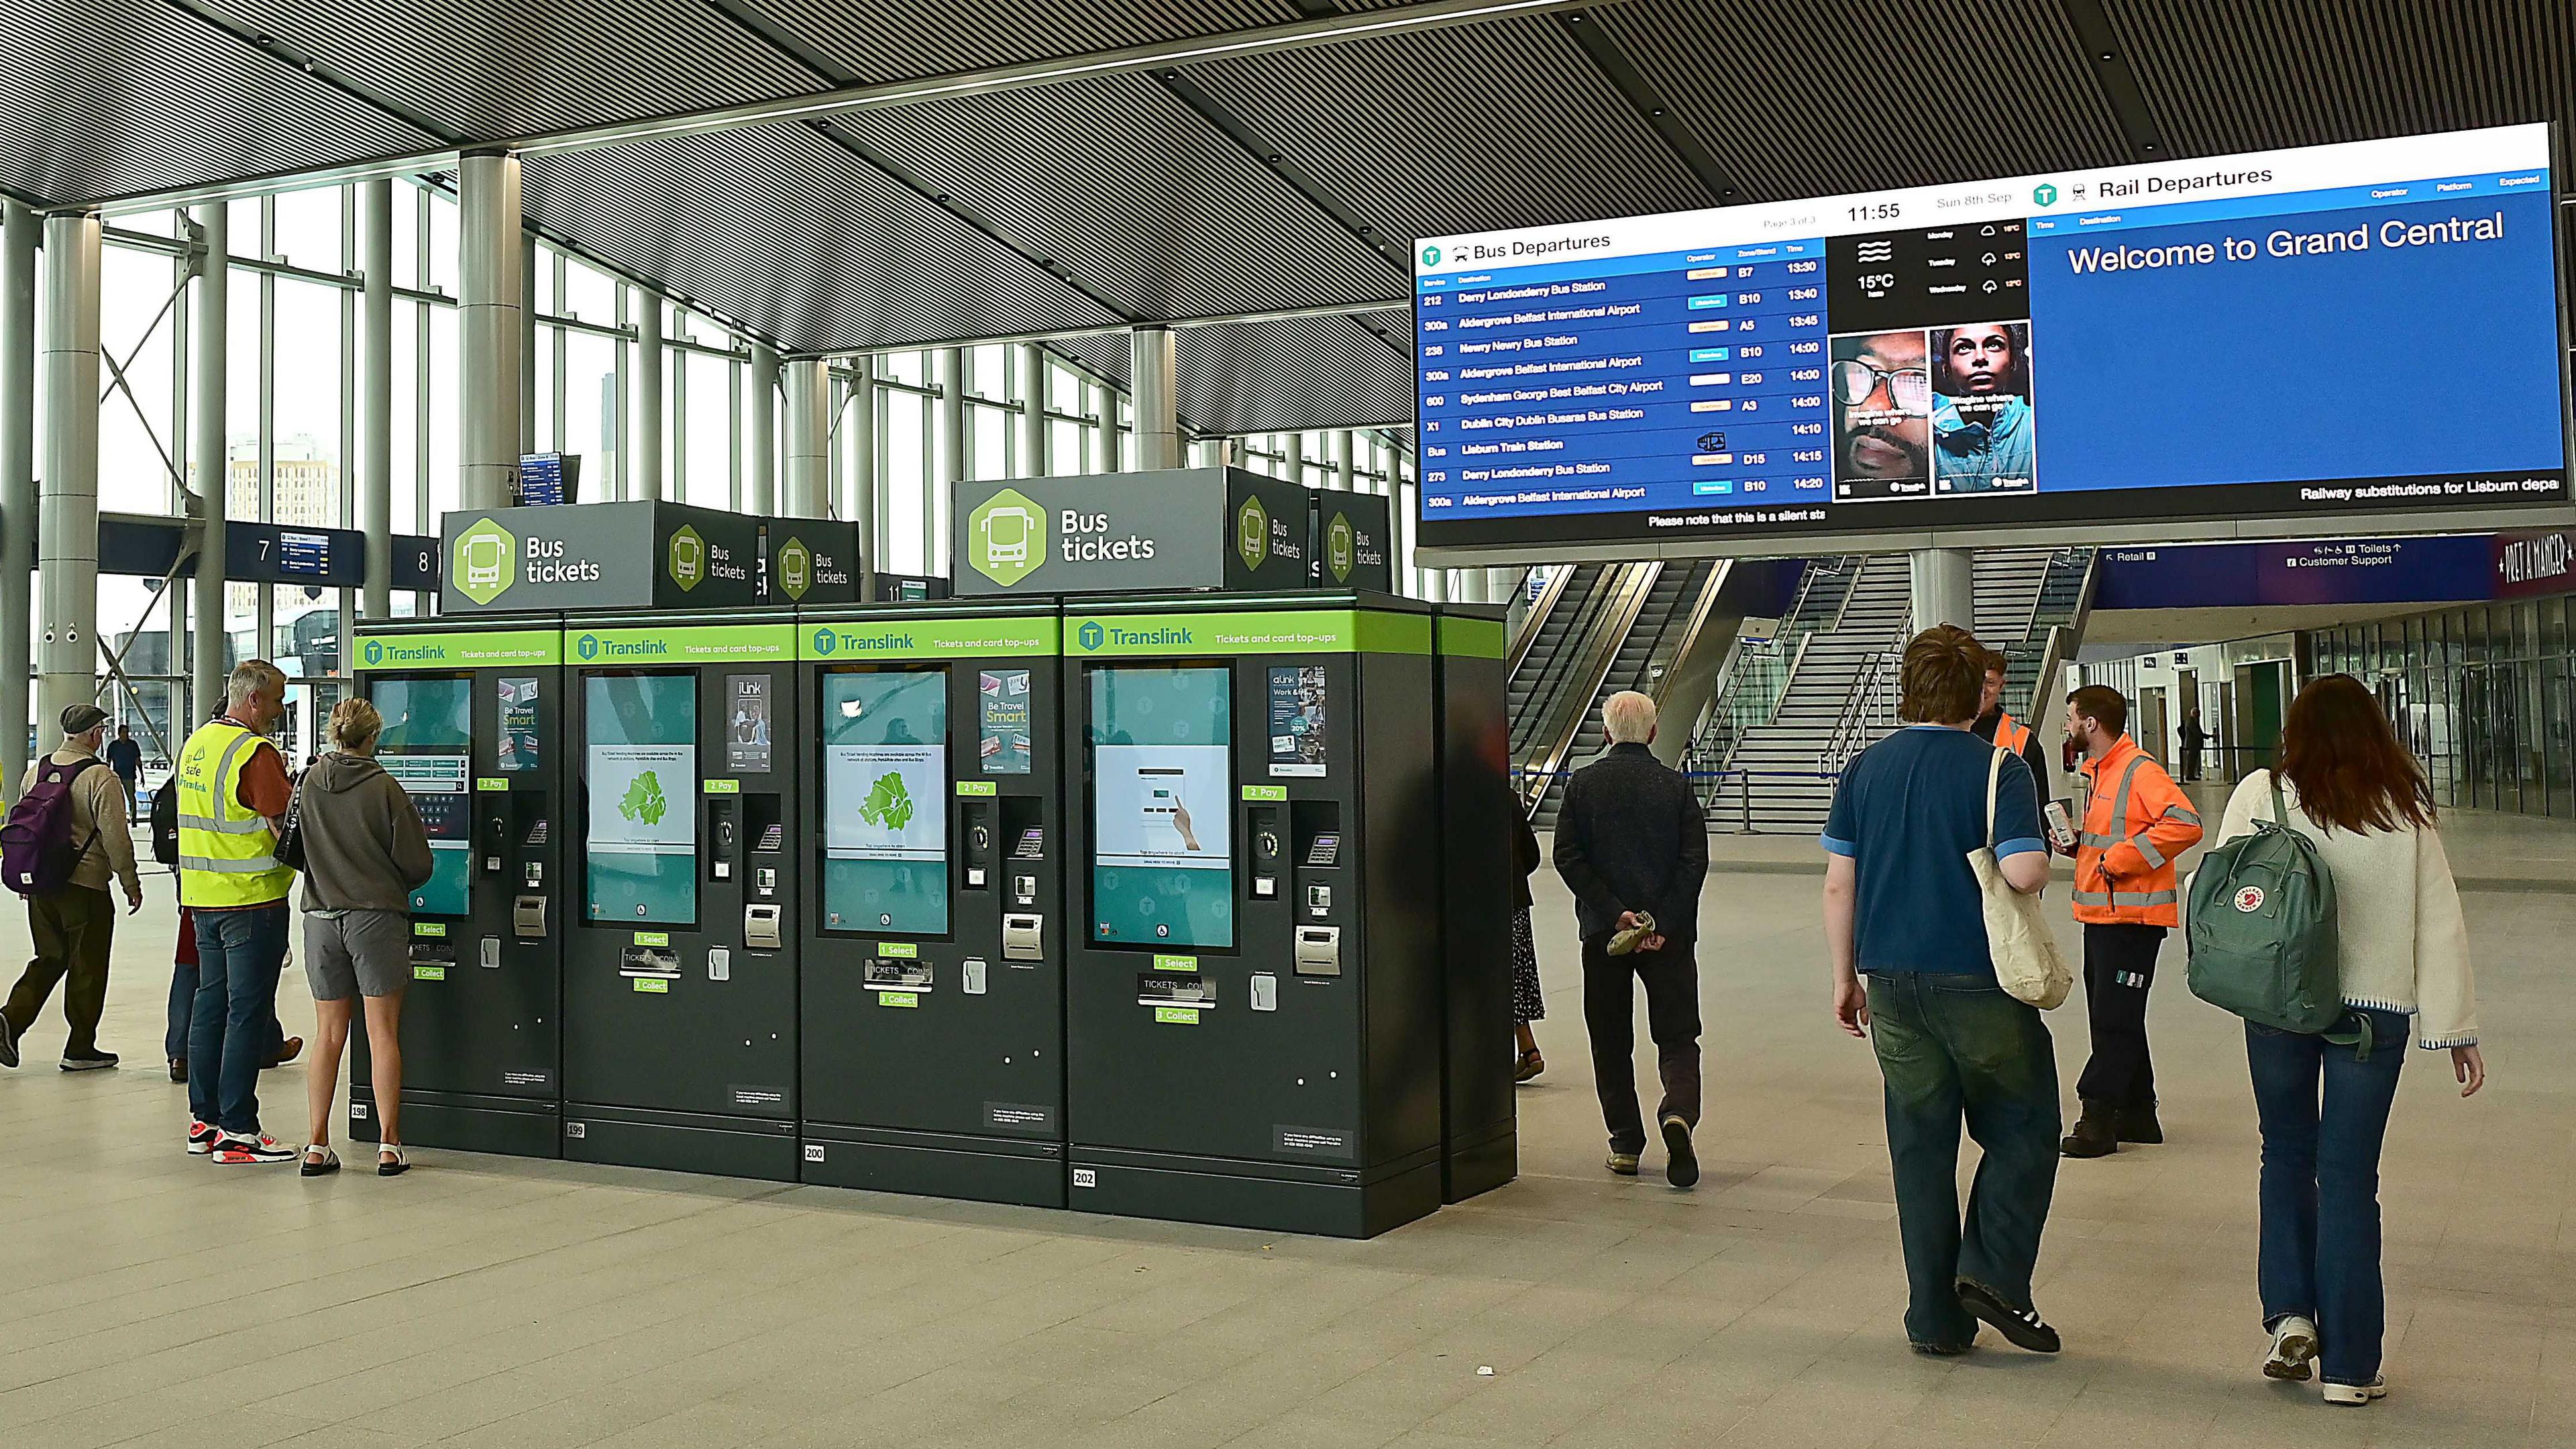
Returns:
point(474, 732)
point(1253, 990)
point(680, 956)
point(933, 929)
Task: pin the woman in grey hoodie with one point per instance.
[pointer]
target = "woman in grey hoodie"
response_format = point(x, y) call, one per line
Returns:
point(364, 853)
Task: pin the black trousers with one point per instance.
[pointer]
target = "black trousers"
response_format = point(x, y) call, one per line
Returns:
point(73, 929)
point(1671, 978)
point(2119, 969)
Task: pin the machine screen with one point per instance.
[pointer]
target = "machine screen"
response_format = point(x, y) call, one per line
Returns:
point(427, 747)
point(640, 764)
point(885, 801)
point(1162, 773)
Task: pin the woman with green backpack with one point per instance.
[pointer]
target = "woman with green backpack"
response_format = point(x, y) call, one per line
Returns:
point(2401, 949)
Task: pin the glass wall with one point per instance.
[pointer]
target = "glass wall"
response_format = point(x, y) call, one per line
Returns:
point(293, 380)
point(2482, 695)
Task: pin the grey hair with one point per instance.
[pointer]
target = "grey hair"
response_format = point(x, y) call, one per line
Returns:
point(250, 677)
point(1628, 718)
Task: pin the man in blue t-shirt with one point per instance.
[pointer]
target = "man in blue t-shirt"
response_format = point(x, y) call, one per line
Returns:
point(1903, 909)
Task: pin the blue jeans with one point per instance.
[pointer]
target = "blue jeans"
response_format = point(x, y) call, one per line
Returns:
point(1952, 1048)
point(239, 954)
point(2324, 1110)
point(183, 1014)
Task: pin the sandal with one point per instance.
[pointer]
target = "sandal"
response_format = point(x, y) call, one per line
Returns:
point(390, 1161)
point(1531, 1064)
point(322, 1166)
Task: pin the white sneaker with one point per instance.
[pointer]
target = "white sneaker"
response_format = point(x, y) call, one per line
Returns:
point(2355, 1395)
point(2294, 1347)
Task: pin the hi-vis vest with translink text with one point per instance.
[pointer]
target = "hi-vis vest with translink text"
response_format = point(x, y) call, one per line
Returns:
point(226, 850)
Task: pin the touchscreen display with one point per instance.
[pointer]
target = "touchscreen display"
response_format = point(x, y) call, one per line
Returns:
point(640, 759)
point(1162, 785)
point(885, 801)
point(427, 747)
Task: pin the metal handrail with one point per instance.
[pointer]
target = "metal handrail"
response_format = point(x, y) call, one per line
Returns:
point(1535, 619)
point(1867, 691)
point(1611, 631)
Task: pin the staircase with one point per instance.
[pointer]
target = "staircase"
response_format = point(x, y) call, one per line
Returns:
point(1642, 656)
point(1779, 790)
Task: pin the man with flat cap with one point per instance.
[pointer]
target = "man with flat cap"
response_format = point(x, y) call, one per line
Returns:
point(74, 923)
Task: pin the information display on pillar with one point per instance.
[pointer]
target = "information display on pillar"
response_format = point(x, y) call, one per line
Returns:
point(885, 801)
point(2235, 337)
point(1162, 791)
point(639, 763)
point(427, 747)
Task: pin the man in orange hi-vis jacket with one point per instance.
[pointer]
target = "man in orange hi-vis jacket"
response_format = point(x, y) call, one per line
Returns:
point(2137, 823)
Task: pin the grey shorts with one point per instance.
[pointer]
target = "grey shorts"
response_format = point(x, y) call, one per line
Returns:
point(362, 953)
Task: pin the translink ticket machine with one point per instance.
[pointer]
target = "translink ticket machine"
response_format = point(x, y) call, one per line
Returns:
point(474, 732)
point(680, 957)
point(933, 950)
point(1253, 988)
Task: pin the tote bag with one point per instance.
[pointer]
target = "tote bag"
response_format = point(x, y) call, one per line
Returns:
point(2028, 964)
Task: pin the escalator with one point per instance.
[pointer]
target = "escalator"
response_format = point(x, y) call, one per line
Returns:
point(1674, 603)
point(1552, 635)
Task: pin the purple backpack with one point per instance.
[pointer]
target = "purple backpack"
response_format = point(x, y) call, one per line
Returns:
point(36, 852)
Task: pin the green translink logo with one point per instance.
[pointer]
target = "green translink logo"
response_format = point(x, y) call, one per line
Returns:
point(1095, 635)
point(591, 646)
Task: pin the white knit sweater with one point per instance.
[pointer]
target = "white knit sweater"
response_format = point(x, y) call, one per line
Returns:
point(2405, 946)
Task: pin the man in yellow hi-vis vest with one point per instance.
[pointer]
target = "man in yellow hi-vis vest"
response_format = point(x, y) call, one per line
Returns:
point(233, 798)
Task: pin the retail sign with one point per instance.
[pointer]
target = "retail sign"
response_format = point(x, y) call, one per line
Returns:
point(598, 556)
point(2535, 563)
point(1185, 528)
point(2445, 569)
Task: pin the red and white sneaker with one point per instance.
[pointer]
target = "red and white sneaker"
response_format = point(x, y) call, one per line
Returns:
point(201, 1137)
point(236, 1151)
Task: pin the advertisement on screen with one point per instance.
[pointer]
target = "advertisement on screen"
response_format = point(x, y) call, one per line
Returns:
point(2232, 338)
point(885, 801)
point(1162, 818)
point(640, 770)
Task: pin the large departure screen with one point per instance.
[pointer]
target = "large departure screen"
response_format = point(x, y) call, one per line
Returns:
point(885, 801)
point(640, 765)
point(2324, 331)
point(427, 747)
point(1162, 815)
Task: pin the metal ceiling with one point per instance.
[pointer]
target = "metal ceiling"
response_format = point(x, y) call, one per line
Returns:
point(1282, 176)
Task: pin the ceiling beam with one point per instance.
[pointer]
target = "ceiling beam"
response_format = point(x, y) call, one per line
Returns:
point(2120, 89)
point(1640, 93)
point(1334, 29)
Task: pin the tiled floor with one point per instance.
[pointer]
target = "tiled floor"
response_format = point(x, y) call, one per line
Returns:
point(149, 1298)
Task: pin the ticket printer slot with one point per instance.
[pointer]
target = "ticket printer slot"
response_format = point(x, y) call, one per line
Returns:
point(761, 929)
point(1319, 950)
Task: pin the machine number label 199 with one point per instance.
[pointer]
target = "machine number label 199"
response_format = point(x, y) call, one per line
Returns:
point(1176, 1016)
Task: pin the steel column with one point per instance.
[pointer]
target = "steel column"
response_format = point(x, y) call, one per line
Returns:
point(490, 326)
point(1153, 383)
point(760, 432)
point(863, 477)
point(210, 344)
point(18, 512)
point(1345, 461)
point(646, 480)
point(1033, 419)
point(1104, 439)
point(67, 503)
point(376, 395)
point(1945, 587)
point(809, 439)
point(950, 468)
